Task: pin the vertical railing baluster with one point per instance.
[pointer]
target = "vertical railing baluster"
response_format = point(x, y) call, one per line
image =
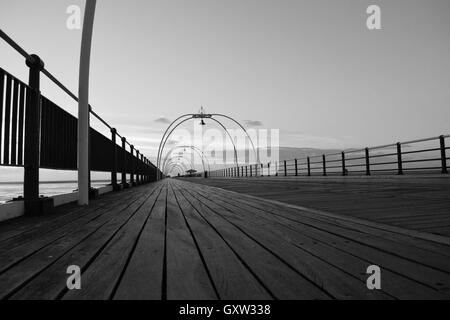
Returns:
point(268, 169)
point(367, 162)
point(114, 159)
point(309, 166)
point(324, 164)
point(285, 168)
point(344, 171)
point(132, 166)
point(296, 168)
point(399, 159)
point(124, 159)
point(443, 154)
point(137, 171)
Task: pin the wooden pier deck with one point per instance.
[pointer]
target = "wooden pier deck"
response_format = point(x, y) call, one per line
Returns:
point(180, 240)
point(416, 202)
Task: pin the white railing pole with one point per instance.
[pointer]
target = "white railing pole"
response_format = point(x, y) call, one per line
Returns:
point(83, 104)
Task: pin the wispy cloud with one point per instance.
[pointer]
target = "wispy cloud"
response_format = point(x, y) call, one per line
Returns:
point(253, 123)
point(162, 120)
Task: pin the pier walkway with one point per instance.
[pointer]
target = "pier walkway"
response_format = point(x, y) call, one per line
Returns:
point(175, 239)
point(416, 202)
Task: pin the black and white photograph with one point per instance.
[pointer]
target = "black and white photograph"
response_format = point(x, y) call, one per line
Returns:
point(223, 157)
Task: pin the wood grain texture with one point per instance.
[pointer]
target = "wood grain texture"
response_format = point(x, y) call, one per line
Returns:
point(179, 239)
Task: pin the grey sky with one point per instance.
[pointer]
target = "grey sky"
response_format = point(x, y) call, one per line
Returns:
point(310, 68)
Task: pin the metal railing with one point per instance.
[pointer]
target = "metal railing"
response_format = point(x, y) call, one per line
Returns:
point(36, 133)
point(419, 156)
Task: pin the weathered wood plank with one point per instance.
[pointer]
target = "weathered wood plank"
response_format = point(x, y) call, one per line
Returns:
point(230, 275)
point(143, 276)
point(187, 277)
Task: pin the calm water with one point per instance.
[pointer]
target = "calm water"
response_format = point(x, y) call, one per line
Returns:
point(9, 190)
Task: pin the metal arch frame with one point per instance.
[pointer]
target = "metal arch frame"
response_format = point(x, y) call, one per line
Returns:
point(199, 152)
point(171, 161)
point(229, 135)
point(172, 165)
point(176, 167)
point(248, 136)
point(178, 147)
point(193, 116)
point(182, 165)
point(165, 132)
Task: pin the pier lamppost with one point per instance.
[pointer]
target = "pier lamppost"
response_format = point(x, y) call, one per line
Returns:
point(83, 104)
point(202, 116)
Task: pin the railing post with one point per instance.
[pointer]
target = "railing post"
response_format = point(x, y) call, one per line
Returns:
point(296, 168)
point(285, 168)
point(246, 171)
point(124, 160)
point(399, 158)
point(132, 166)
point(443, 155)
point(344, 171)
point(309, 166)
point(142, 166)
point(262, 170)
point(268, 169)
point(138, 182)
point(251, 173)
point(114, 160)
point(367, 162)
point(324, 164)
point(33, 204)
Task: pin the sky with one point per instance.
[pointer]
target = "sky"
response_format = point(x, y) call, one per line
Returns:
point(310, 68)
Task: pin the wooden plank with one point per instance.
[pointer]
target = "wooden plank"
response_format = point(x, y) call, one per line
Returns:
point(279, 278)
point(58, 253)
point(51, 282)
point(20, 146)
point(103, 274)
point(15, 110)
point(143, 276)
point(2, 85)
point(28, 244)
point(7, 116)
point(187, 278)
point(232, 279)
point(337, 283)
point(421, 272)
point(327, 246)
point(415, 243)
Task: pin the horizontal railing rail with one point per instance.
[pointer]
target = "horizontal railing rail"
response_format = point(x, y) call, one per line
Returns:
point(36, 133)
point(398, 158)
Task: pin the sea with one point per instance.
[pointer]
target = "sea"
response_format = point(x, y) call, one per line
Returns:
point(10, 190)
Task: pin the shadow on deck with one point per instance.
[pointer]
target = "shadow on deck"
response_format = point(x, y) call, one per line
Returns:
point(179, 240)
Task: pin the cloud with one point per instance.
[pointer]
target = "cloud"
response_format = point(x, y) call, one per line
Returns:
point(162, 120)
point(253, 123)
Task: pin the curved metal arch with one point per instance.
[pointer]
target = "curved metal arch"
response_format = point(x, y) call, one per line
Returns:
point(166, 138)
point(176, 167)
point(177, 147)
point(248, 136)
point(199, 152)
point(229, 135)
point(167, 129)
point(171, 161)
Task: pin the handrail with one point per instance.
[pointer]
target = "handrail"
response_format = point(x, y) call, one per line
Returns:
point(321, 166)
point(25, 54)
